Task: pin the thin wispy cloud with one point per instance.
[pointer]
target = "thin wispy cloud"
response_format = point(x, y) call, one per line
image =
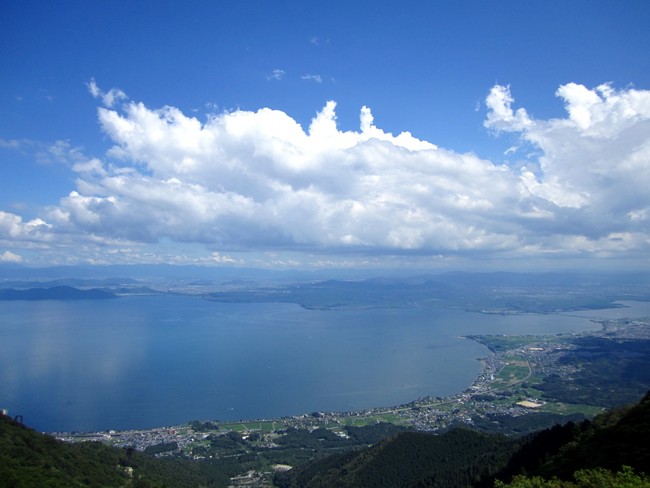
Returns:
point(10, 257)
point(109, 98)
point(11, 143)
point(315, 78)
point(276, 74)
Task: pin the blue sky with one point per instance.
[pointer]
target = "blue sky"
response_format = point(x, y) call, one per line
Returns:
point(471, 134)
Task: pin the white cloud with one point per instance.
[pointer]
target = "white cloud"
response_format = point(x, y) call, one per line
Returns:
point(276, 74)
point(222, 259)
point(60, 152)
point(501, 117)
point(246, 179)
point(108, 98)
point(10, 143)
point(316, 78)
point(594, 164)
point(14, 229)
point(258, 181)
point(10, 257)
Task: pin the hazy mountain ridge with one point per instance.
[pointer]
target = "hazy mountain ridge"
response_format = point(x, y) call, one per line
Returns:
point(55, 293)
point(495, 292)
point(71, 282)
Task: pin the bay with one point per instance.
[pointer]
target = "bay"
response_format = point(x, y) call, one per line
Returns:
point(148, 361)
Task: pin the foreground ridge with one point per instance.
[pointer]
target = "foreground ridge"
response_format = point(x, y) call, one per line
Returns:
point(613, 441)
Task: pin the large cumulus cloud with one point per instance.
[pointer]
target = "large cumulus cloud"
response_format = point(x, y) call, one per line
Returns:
point(246, 180)
point(591, 180)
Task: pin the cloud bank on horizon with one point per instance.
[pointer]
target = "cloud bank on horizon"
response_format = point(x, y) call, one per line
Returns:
point(244, 181)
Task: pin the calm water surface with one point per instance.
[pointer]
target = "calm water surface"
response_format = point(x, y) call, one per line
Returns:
point(138, 362)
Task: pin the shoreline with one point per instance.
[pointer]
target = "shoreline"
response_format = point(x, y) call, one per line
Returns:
point(477, 379)
point(488, 366)
point(502, 398)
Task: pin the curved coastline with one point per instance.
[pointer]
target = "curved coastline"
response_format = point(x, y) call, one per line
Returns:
point(292, 322)
point(488, 367)
point(507, 368)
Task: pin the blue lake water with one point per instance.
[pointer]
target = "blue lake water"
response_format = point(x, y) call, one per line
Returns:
point(147, 361)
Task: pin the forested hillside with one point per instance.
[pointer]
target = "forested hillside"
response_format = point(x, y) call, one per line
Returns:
point(29, 459)
point(455, 459)
point(615, 441)
point(613, 447)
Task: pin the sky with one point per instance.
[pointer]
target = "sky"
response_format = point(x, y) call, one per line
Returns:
point(496, 135)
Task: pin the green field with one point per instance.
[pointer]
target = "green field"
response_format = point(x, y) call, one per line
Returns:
point(264, 426)
point(362, 421)
point(515, 371)
point(503, 343)
point(569, 408)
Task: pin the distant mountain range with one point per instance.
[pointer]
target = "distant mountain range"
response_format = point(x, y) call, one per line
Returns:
point(70, 282)
point(55, 293)
point(494, 292)
point(479, 292)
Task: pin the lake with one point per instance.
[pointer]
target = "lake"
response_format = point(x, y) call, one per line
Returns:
point(147, 361)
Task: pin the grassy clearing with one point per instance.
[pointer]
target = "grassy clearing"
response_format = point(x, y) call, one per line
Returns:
point(570, 408)
point(390, 418)
point(357, 421)
point(265, 426)
point(532, 392)
point(515, 371)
